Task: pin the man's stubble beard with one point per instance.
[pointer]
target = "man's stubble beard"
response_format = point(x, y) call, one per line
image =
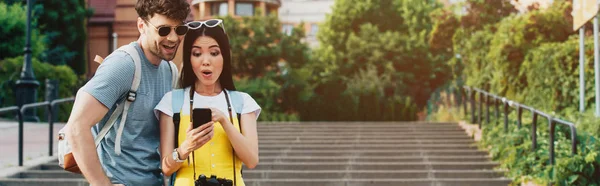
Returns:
point(155, 50)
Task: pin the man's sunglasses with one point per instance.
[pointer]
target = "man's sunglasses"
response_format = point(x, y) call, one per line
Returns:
point(166, 30)
point(211, 23)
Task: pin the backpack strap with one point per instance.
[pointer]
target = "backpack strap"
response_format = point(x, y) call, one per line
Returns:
point(174, 74)
point(108, 124)
point(131, 95)
point(237, 101)
point(176, 104)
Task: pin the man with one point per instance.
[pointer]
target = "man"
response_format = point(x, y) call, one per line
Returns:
point(138, 161)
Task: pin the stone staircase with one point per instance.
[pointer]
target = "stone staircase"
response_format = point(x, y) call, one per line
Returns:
point(343, 153)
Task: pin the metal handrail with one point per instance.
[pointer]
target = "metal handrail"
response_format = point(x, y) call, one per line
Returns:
point(51, 120)
point(552, 121)
point(20, 112)
point(20, 118)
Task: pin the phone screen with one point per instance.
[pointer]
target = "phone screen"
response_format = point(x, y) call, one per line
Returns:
point(201, 116)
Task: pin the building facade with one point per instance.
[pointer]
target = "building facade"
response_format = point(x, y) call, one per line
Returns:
point(310, 12)
point(206, 9)
point(112, 25)
point(114, 22)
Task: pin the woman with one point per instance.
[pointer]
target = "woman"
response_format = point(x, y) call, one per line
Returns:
point(211, 148)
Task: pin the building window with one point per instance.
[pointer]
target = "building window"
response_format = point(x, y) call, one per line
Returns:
point(287, 29)
point(219, 9)
point(244, 9)
point(314, 28)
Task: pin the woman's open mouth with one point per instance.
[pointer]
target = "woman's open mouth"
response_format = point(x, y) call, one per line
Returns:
point(206, 73)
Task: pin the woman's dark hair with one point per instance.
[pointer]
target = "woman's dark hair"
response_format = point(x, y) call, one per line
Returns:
point(173, 9)
point(188, 78)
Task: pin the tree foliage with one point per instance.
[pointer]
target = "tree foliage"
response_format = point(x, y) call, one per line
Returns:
point(480, 13)
point(10, 68)
point(532, 58)
point(258, 45)
point(386, 38)
point(64, 24)
point(263, 61)
point(13, 18)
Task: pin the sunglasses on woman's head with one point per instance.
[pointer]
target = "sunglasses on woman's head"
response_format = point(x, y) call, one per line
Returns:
point(166, 30)
point(211, 23)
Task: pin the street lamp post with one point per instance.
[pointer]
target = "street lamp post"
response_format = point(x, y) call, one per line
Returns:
point(27, 84)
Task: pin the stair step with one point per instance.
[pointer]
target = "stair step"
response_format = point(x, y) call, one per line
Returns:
point(49, 174)
point(292, 123)
point(378, 166)
point(353, 123)
point(43, 181)
point(343, 153)
point(49, 166)
point(279, 174)
point(370, 137)
point(367, 147)
point(361, 141)
point(378, 182)
point(355, 166)
point(361, 134)
point(369, 174)
point(372, 153)
point(293, 182)
point(290, 159)
point(362, 129)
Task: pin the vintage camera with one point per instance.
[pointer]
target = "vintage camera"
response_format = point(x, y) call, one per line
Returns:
point(212, 181)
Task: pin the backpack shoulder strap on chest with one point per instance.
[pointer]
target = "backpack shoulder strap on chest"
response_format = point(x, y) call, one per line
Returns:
point(177, 96)
point(174, 74)
point(177, 100)
point(237, 101)
point(123, 108)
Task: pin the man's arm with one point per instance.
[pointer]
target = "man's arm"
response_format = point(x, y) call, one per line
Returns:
point(86, 112)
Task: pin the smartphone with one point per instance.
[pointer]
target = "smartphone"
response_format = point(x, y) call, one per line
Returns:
point(201, 116)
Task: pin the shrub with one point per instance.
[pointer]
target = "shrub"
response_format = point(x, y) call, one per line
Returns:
point(10, 70)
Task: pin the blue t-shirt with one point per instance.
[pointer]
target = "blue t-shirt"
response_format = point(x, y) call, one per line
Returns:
point(139, 162)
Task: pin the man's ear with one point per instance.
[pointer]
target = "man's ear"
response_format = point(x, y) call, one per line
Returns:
point(140, 26)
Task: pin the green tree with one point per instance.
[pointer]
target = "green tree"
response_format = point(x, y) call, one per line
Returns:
point(440, 38)
point(10, 68)
point(468, 46)
point(266, 63)
point(493, 56)
point(480, 13)
point(255, 44)
point(392, 36)
point(63, 22)
point(13, 18)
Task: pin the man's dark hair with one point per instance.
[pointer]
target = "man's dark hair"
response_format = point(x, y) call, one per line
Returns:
point(173, 9)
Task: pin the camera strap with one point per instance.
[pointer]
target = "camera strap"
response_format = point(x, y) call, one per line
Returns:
point(232, 149)
point(192, 121)
point(230, 119)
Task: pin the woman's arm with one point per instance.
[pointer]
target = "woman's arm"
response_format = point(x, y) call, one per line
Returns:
point(167, 133)
point(246, 144)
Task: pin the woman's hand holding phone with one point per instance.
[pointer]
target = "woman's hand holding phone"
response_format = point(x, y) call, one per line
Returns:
point(195, 138)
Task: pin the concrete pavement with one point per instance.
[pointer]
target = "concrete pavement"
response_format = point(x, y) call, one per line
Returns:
point(35, 142)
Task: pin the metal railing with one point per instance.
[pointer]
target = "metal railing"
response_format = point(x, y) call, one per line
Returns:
point(497, 100)
point(20, 111)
